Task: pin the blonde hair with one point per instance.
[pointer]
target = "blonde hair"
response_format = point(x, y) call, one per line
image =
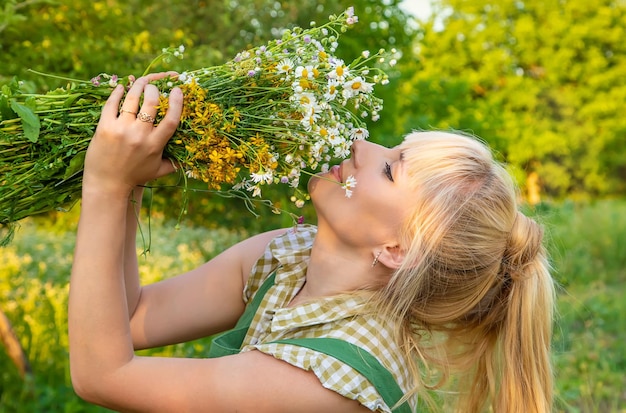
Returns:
point(473, 299)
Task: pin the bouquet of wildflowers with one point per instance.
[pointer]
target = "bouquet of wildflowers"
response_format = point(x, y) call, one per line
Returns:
point(265, 117)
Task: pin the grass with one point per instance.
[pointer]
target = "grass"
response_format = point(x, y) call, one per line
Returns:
point(587, 244)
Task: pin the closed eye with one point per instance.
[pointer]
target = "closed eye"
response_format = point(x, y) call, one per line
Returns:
point(387, 171)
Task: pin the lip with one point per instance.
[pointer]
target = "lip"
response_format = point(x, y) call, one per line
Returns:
point(335, 171)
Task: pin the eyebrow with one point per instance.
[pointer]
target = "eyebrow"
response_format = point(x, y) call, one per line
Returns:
point(399, 164)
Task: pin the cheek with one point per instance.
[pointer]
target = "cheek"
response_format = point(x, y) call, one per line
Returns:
point(383, 207)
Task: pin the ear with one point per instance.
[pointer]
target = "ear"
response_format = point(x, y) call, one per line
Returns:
point(391, 256)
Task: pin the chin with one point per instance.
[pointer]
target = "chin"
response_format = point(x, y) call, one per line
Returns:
point(314, 182)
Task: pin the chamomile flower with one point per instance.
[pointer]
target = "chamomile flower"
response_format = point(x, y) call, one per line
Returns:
point(255, 189)
point(358, 134)
point(349, 186)
point(339, 70)
point(262, 176)
point(356, 86)
point(307, 100)
point(332, 89)
point(334, 137)
point(191, 174)
point(342, 150)
point(285, 66)
point(309, 119)
point(305, 72)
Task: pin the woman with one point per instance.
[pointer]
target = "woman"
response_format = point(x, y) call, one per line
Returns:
point(427, 272)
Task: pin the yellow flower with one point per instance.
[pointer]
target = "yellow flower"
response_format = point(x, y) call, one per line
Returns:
point(215, 157)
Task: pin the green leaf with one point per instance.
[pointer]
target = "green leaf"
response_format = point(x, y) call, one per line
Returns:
point(30, 120)
point(5, 110)
point(71, 99)
point(76, 165)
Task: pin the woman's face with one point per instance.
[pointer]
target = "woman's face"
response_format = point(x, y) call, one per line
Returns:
point(379, 204)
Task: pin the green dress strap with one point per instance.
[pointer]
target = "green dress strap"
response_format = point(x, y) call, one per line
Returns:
point(229, 343)
point(360, 360)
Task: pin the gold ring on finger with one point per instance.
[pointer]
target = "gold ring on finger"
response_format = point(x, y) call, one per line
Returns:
point(144, 117)
point(127, 111)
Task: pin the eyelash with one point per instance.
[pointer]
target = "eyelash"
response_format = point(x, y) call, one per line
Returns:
point(387, 171)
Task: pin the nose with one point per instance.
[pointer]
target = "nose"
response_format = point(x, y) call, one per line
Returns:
point(354, 148)
point(361, 145)
point(362, 149)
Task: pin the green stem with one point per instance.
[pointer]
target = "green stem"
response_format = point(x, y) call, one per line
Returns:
point(69, 79)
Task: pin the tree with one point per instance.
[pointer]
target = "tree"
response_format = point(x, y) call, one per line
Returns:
point(543, 81)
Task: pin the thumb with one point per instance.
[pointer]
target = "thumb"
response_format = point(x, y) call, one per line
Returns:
point(166, 167)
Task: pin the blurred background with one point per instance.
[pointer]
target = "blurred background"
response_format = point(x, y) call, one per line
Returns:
point(542, 81)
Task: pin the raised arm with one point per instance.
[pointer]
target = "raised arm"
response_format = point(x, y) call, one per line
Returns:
point(126, 152)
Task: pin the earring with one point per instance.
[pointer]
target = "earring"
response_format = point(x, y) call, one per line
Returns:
point(376, 259)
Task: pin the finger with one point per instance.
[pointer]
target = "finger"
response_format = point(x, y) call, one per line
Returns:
point(157, 76)
point(166, 168)
point(113, 102)
point(131, 102)
point(166, 128)
point(150, 104)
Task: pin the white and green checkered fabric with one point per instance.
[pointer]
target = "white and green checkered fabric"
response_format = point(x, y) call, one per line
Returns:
point(331, 317)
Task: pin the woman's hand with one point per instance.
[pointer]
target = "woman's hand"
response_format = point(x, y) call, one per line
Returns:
point(127, 148)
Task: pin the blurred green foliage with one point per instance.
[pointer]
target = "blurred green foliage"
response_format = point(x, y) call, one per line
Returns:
point(81, 38)
point(588, 245)
point(543, 81)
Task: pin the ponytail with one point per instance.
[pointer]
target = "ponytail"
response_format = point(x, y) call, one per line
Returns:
point(507, 361)
point(526, 385)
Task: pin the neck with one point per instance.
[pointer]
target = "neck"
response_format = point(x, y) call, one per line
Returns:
point(335, 268)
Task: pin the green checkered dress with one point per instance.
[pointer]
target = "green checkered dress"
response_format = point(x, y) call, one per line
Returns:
point(332, 317)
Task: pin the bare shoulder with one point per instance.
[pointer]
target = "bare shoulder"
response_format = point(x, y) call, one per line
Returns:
point(213, 299)
point(248, 382)
point(248, 251)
